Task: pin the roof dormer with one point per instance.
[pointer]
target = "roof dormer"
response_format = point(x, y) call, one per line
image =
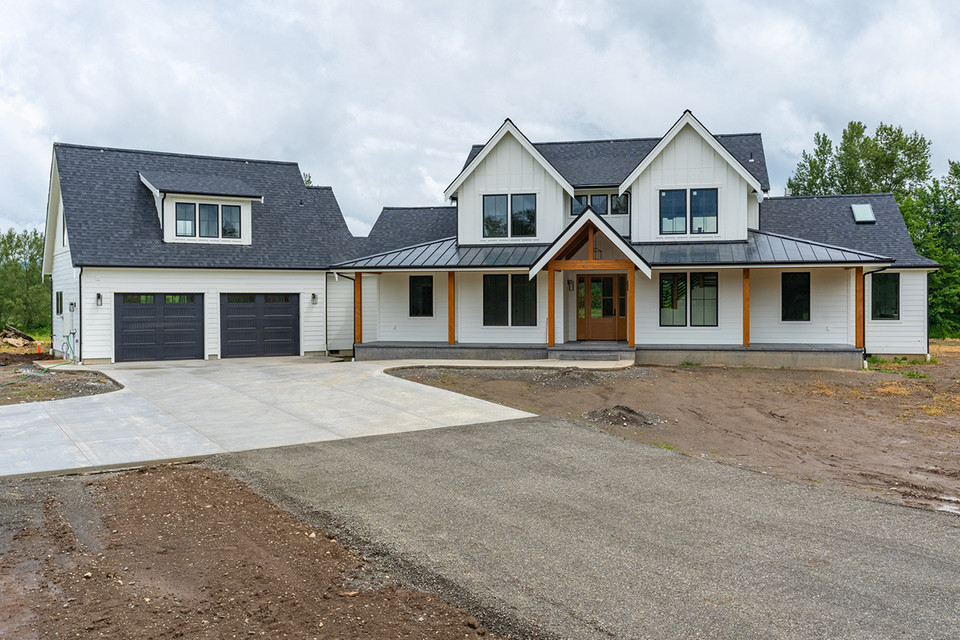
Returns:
point(202, 208)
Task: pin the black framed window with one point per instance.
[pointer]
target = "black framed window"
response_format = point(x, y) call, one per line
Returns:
point(495, 216)
point(496, 300)
point(795, 296)
point(578, 204)
point(523, 215)
point(619, 205)
point(673, 299)
point(673, 211)
point(703, 211)
point(599, 204)
point(523, 299)
point(209, 222)
point(421, 296)
point(186, 219)
point(59, 303)
point(231, 221)
point(885, 294)
point(704, 289)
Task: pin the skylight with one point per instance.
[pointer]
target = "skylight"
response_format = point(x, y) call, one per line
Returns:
point(863, 213)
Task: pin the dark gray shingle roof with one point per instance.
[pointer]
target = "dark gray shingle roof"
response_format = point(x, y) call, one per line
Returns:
point(112, 220)
point(406, 226)
point(605, 163)
point(199, 184)
point(759, 248)
point(830, 219)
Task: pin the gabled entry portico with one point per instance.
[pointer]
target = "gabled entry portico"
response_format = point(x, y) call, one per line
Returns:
point(600, 267)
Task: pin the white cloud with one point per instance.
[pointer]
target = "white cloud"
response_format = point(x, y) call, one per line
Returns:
point(383, 100)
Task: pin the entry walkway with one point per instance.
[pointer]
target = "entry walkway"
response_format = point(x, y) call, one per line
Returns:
point(196, 408)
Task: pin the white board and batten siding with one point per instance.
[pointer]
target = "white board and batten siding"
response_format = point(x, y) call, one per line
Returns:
point(729, 329)
point(832, 316)
point(65, 327)
point(509, 169)
point(98, 322)
point(908, 334)
point(689, 162)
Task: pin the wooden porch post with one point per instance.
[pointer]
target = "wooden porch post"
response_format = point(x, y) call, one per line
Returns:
point(358, 308)
point(590, 242)
point(746, 307)
point(859, 277)
point(551, 295)
point(631, 307)
point(451, 308)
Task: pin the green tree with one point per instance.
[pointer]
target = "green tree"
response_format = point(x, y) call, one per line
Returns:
point(24, 296)
point(888, 161)
point(307, 179)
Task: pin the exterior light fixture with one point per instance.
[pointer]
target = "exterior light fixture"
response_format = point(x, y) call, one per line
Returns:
point(314, 299)
point(597, 253)
point(569, 285)
point(99, 299)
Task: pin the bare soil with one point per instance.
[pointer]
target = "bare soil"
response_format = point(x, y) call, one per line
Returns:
point(23, 381)
point(187, 552)
point(892, 432)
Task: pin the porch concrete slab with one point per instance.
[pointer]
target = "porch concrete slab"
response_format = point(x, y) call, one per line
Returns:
point(197, 408)
point(548, 363)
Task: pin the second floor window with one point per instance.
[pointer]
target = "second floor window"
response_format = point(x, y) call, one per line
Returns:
point(675, 205)
point(186, 219)
point(207, 220)
point(522, 221)
point(602, 203)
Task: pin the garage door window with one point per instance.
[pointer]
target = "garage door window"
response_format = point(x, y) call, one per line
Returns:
point(179, 299)
point(275, 298)
point(135, 298)
point(241, 298)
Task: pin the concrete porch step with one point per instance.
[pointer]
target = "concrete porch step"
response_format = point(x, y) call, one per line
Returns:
point(592, 355)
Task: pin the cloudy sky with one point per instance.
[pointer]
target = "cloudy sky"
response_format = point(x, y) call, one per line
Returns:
point(382, 100)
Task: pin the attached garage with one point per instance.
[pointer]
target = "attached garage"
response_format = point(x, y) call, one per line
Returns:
point(259, 324)
point(158, 326)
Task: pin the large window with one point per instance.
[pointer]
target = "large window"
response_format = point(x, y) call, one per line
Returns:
point(509, 300)
point(421, 296)
point(231, 221)
point(495, 216)
point(186, 219)
point(523, 215)
point(673, 211)
point(208, 221)
point(703, 299)
point(795, 296)
point(702, 205)
point(703, 211)
point(885, 291)
point(673, 299)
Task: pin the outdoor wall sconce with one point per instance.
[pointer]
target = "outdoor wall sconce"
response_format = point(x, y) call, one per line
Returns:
point(99, 299)
point(569, 285)
point(597, 254)
point(313, 298)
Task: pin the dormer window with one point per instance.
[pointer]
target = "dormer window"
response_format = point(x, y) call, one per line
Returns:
point(523, 216)
point(205, 220)
point(675, 205)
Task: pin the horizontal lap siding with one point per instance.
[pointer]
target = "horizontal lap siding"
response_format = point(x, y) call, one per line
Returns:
point(729, 329)
point(395, 321)
point(65, 278)
point(470, 329)
point(908, 335)
point(339, 312)
point(98, 327)
point(830, 319)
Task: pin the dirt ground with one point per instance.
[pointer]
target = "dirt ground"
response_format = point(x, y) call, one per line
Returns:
point(187, 552)
point(18, 386)
point(892, 432)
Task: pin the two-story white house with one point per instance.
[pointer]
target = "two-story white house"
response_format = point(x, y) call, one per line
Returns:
point(661, 249)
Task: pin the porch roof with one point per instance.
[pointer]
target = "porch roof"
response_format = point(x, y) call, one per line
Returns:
point(759, 249)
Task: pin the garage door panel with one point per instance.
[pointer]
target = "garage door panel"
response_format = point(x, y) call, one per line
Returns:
point(259, 325)
point(158, 326)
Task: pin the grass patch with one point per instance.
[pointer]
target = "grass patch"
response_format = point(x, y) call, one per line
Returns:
point(821, 389)
point(893, 389)
point(688, 363)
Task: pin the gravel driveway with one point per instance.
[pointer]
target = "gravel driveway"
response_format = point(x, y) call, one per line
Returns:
point(551, 528)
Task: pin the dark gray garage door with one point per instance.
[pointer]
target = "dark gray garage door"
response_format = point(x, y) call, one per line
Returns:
point(259, 324)
point(158, 326)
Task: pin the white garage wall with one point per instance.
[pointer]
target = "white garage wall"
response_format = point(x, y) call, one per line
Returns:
point(98, 322)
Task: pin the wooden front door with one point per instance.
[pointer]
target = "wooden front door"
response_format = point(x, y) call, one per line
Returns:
point(602, 307)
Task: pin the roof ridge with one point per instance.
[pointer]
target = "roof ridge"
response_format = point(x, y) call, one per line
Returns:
point(438, 206)
point(169, 154)
point(831, 195)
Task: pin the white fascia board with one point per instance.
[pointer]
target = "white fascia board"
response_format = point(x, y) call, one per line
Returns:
point(512, 129)
point(50, 224)
point(157, 197)
point(603, 227)
point(689, 119)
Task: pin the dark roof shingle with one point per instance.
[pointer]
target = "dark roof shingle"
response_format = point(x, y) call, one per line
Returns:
point(406, 226)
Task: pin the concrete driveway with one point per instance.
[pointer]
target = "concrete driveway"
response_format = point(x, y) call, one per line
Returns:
point(195, 408)
point(551, 529)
